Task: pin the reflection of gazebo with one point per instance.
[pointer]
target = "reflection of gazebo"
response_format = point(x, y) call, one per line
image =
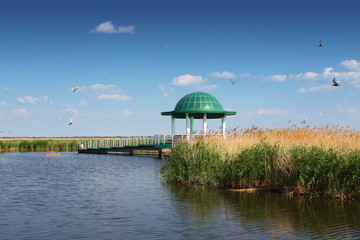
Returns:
point(198, 105)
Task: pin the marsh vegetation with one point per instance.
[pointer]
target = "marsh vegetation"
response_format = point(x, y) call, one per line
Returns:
point(31, 145)
point(322, 161)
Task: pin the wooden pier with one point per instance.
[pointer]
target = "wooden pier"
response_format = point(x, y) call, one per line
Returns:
point(129, 145)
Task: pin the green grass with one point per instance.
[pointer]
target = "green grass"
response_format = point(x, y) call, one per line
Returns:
point(64, 145)
point(308, 170)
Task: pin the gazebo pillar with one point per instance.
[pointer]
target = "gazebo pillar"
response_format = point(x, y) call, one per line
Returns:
point(187, 126)
point(223, 125)
point(192, 127)
point(205, 124)
point(173, 129)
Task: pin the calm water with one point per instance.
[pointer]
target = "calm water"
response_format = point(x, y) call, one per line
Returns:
point(75, 196)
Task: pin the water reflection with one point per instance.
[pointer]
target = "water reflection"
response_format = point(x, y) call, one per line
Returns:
point(75, 196)
point(265, 215)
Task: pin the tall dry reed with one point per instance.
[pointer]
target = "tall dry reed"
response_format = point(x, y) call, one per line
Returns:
point(322, 161)
point(326, 137)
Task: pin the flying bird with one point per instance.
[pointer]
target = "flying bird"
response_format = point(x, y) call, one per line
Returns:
point(320, 44)
point(74, 89)
point(71, 121)
point(233, 82)
point(51, 103)
point(335, 84)
point(304, 121)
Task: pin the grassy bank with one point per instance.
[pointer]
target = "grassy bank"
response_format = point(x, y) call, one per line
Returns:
point(29, 145)
point(315, 162)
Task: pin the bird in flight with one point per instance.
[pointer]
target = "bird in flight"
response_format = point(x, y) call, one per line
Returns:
point(320, 44)
point(335, 83)
point(51, 103)
point(74, 89)
point(233, 82)
point(71, 121)
point(304, 121)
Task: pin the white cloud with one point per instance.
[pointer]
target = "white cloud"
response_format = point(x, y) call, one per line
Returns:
point(306, 76)
point(351, 65)
point(102, 87)
point(208, 88)
point(116, 97)
point(126, 29)
point(3, 103)
point(127, 113)
point(328, 73)
point(224, 74)
point(108, 27)
point(272, 111)
point(161, 86)
point(276, 78)
point(2, 115)
point(302, 90)
point(165, 90)
point(6, 89)
point(70, 109)
point(321, 88)
point(22, 112)
point(28, 99)
point(349, 110)
point(244, 75)
point(187, 79)
point(83, 103)
point(349, 73)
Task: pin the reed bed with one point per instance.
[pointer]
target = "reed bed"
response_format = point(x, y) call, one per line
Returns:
point(322, 161)
point(30, 145)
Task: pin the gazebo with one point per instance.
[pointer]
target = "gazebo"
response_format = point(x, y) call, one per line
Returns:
point(198, 105)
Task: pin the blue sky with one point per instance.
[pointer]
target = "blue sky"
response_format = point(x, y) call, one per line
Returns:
point(132, 60)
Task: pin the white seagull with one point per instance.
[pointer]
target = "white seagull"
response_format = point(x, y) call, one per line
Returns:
point(74, 89)
point(335, 84)
point(71, 121)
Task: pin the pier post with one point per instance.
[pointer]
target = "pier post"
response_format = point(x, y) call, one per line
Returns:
point(131, 152)
point(159, 153)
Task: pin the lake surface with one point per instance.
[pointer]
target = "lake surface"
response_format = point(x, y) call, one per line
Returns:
point(79, 196)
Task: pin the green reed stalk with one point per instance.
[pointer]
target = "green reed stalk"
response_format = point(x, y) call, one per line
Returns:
point(308, 170)
point(63, 145)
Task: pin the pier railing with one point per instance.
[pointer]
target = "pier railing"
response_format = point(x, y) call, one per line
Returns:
point(156, 140)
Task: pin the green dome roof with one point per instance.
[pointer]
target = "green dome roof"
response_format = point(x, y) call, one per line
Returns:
point(198, 103)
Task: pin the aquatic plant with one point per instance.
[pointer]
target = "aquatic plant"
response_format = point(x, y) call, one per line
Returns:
point(315, 162)
point(25, 145)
